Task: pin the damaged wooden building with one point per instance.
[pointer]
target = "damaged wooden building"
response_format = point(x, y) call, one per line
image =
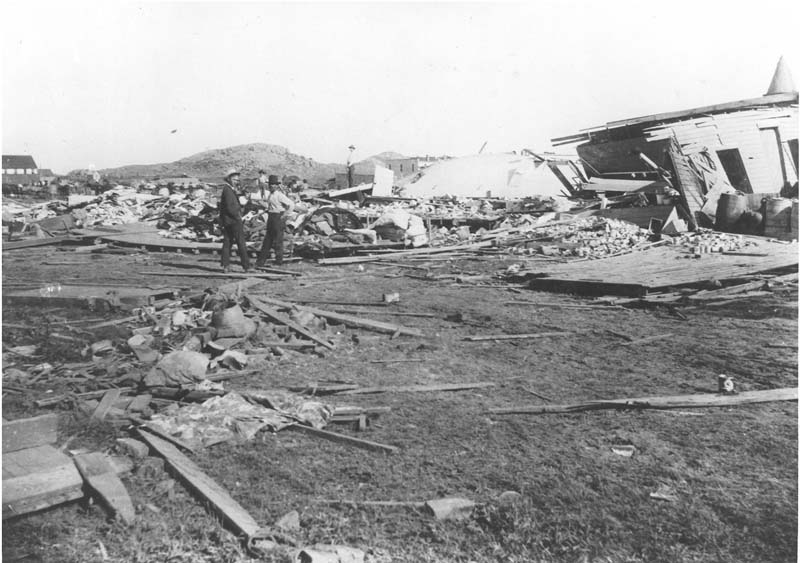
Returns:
point(748, 146)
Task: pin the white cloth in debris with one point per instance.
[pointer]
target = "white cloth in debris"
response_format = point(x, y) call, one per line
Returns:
point(232, 417)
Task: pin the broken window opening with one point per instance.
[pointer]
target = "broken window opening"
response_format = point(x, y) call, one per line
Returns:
point(733, 165)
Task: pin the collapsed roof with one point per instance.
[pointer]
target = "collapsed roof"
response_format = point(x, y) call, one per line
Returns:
point(504, 175)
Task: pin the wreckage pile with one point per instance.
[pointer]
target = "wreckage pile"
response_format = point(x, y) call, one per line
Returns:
point(590, 237)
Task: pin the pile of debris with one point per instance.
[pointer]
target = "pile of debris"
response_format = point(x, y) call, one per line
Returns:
point(705, 241)
point(590, 237)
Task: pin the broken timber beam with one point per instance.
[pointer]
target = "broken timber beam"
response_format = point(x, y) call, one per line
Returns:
point(647, 339)
point(271, 277)
point(103, 480)
point(217, 497)
point(668, 402)
point(515, 336)
point(344, 439)
point(415, 388)
point(278, 318)
point(347, 320)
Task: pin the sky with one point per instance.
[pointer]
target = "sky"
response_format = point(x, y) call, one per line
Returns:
point(106, 84)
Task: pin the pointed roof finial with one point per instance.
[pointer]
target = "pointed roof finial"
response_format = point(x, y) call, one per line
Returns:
point(782, 82)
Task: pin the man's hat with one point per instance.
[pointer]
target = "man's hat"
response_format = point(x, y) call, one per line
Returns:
point(273, 180)
point(231, 172)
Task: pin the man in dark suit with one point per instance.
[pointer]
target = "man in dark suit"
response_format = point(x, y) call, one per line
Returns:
point(230, 219)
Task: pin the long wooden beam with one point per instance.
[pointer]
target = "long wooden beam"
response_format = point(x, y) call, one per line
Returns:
point(515, 336)
point(667, 402)
point(282, 319)
point(347, 320)
point(344, 439)
point(217, 497)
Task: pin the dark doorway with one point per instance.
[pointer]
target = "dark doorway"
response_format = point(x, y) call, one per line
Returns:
point(734, 167)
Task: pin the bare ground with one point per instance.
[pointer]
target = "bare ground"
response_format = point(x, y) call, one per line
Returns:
point(733, 470)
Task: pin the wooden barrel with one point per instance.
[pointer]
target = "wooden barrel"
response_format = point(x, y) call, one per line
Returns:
point(777, 216)
point(729, 208)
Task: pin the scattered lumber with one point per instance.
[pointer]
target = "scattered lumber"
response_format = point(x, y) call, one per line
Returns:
point(386, 312)
point(37, 478)
point(647, 340)
point(344, 303)
point(668, 402)
point(109, 398)
point(347, 320)
point(201, 484)
point(401, 254)
point(50, 401)
point(178, 273)
point(344, 439)
point(330, 389)
point(275, 316)
point(29, 432)
point(153, 431)
point(104, 482)
point(415, 388)
point(515, 336)
point(564, 305)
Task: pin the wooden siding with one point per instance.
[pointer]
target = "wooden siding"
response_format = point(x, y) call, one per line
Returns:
point(743, 131)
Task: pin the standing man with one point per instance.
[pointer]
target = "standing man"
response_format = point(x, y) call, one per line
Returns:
point(230, 219)
point(262, 183)
point(277, 205)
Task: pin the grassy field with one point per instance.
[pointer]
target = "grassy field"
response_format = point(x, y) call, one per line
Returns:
point(732, 470)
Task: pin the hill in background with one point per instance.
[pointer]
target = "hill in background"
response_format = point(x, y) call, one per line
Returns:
point(211, 166)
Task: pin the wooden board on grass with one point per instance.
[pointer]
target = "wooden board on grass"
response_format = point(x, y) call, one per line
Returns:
point(29, 432)
point(217, 497)
point(103, 481)
point(37, 478)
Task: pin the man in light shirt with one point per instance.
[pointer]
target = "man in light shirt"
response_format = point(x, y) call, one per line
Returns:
point(278, 204)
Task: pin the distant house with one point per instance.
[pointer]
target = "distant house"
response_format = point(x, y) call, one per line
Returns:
point(20, 169)
point(402, 166)
point(749, 144)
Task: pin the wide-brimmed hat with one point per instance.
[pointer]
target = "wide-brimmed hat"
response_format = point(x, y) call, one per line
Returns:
point(273, 180)
point(231, 172)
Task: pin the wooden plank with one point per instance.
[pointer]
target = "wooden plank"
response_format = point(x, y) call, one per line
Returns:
point(275, 316)
point(587, 287)
point(30, 432)
point(103, 480)
point(515, 336)
point(111, 396)
point(647, 339)
point(669, 402)
point(343, 439)
point(17, 245)
point(243, 275)
point(37, 478)
point(386, 312)
point(348, 320)
point(415, 388)
point(50, 401)
point(203, 485)
point(400, 255)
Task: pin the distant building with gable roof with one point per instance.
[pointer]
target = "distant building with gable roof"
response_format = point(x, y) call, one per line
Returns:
point(20, 169)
